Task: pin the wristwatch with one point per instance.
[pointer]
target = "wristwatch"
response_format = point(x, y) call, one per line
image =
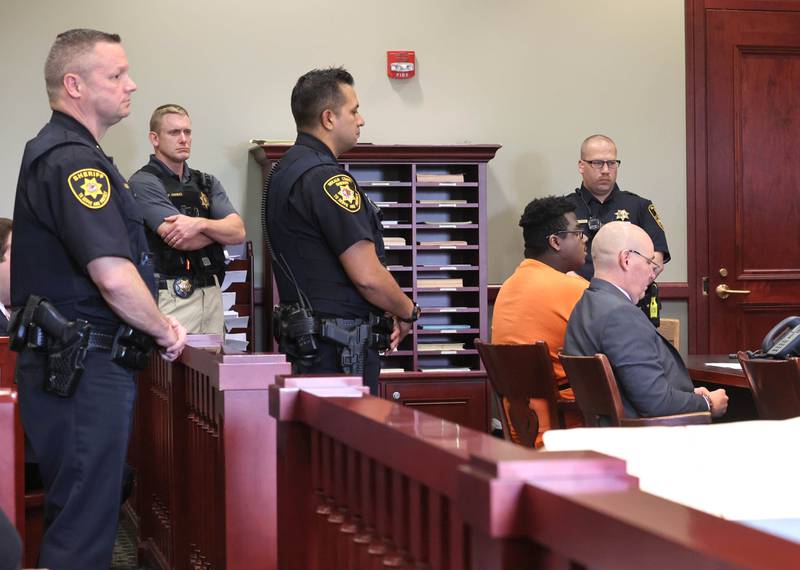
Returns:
point(415, 313)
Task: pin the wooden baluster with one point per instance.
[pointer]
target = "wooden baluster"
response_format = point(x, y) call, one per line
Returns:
point(366, 531)
point(203, 466)
point(350, 526)
point(397, 558)
point(219, 490)
point(457, 532)
point(327, 544)
point(320, 505)
point(418, 529)
point(381, 543)
point(437, 530)
point(340, 512)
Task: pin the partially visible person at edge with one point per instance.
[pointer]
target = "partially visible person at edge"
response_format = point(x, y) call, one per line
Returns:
point(5, 273)
point(329, 234)
point(536, 301)
point(79, 242)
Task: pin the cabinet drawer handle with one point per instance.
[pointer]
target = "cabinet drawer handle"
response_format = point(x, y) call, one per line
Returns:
point(395, 395)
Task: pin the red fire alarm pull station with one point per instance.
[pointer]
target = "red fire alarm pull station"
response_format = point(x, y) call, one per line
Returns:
point(401, 64)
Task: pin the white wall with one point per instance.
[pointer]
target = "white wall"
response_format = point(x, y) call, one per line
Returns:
point(534, 76)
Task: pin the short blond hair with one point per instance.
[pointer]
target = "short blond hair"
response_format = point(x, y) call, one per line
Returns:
point(168, 109)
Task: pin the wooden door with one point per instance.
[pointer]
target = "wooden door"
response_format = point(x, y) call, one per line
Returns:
point(743, 87)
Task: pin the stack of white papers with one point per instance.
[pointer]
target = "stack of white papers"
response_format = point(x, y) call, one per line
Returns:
point(232, 318)
point(739, 471)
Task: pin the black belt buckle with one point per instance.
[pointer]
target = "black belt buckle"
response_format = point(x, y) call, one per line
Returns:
point(183, 287)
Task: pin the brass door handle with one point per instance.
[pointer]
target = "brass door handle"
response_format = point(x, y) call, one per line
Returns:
point(723, 292)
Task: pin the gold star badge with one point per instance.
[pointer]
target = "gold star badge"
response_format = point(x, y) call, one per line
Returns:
point(341, 189)
point(622, 215)
point(90, 187)
point(204, 200)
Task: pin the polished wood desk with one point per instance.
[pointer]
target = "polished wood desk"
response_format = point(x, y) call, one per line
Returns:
point(699, 371)
point(740, 406)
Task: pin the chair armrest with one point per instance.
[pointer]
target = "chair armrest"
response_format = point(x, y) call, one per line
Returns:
point(690, 419)
point(567, 405)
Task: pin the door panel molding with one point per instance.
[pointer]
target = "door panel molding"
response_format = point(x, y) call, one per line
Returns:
point(718, 133)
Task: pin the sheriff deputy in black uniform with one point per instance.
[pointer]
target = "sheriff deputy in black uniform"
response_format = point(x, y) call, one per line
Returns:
point(599, 200)
point(326, 237)
point(81, 271)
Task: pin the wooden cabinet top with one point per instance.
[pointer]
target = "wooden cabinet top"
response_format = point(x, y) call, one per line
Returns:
point(394, 152)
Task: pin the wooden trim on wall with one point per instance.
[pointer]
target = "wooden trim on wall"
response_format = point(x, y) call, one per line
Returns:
point(669, 290)
point(696, 212)
point(416, 153)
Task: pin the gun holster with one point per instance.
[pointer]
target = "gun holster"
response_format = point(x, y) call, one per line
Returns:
point(39, 326)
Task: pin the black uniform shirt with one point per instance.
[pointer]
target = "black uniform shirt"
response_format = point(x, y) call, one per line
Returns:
point(326, 213)
point(330, 200)
point(72, 206)
point(619, 206)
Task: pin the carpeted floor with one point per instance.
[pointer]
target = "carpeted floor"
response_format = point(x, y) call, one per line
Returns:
point(124, 557)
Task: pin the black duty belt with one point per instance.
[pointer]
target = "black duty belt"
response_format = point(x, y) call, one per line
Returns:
point(100, 342)
point(197, 281)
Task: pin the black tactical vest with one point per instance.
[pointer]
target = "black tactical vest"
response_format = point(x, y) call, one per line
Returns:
point(323, 280)
point(192, 198)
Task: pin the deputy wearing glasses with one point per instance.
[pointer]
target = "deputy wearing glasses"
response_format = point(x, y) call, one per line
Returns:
point(652, 378)
point(599, 200)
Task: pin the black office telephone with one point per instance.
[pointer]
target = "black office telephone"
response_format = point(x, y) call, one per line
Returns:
point(783, 340)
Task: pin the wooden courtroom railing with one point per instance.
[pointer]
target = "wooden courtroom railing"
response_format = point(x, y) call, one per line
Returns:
point(364, 483)
point(203, 449)
point(30, 524)
point(12, 484)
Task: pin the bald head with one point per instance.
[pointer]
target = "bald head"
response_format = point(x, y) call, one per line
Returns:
point(622, 254)
point(614, 237)
point(593, 141)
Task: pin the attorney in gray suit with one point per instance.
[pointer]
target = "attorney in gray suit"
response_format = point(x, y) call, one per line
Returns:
point(652, 377)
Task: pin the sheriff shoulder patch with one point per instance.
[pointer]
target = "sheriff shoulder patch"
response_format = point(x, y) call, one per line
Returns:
point(652, 209)
point(90, 187)
point(342, 190)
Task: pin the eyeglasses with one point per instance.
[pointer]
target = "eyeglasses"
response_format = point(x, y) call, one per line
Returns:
point(598, 164)
point(579, 233)
point(656, 267)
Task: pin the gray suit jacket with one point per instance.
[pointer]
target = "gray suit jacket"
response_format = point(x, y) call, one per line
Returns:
point(651, 375)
